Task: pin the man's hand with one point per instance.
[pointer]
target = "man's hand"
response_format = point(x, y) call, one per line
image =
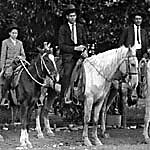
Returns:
point(84, 54)
point(79, 48)
point(20, 57)
point(2, 72)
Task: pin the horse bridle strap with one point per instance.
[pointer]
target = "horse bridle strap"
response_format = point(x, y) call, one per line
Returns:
point(128, 67)
point(30, 74)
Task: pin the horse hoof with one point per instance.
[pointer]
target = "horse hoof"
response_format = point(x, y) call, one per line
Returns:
point(1, 138)
point(87, 142)
point(30, 145)
point(106, 135)
point(40, 136)
point(97, 143)
point(50, 134)
point(22, 147)
point(147, 140)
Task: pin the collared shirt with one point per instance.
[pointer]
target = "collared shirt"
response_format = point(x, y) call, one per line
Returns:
point(75, 31)
point(14, 41)
point(137, 45)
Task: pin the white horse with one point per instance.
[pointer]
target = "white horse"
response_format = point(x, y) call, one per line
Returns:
point(99, 72)
point(147, 106)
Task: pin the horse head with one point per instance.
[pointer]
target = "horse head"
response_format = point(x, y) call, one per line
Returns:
point(48, 64)
point(129, 67)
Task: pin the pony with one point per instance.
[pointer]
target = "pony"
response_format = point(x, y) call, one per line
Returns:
point(28, 90)
point(100, 72)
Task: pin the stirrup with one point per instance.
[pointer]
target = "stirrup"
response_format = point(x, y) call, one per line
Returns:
point(4, 102)
point(67, 101)
point(77, 103)
point(39, 103)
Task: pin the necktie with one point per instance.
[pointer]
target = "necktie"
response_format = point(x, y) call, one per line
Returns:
point(72, 33)
point(138, 39)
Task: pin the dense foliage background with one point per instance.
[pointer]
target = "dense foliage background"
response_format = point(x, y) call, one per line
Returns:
point(39, 20)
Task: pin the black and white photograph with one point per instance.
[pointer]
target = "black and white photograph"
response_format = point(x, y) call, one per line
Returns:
point(74, 74)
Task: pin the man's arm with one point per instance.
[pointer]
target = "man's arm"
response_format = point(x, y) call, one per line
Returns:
point(3, 54)
point(123, 37)
point(64, 46)
point(62, 41)
point(22, 53)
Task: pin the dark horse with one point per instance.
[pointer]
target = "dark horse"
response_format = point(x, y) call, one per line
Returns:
point(28, 90)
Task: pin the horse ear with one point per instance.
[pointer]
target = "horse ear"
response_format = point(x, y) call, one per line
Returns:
point(129, 50)
point(40, 50)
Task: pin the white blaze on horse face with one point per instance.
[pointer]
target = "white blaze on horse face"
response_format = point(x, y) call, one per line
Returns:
point(51, 57)
point(134, 71)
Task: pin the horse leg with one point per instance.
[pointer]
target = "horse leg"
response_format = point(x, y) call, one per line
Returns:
point(14, 112)
point(103, 119)
point(145, 130)
point(38, 125)
point(48, 103)
point(124, 105)
point(12, 115)
point(88, 103)
point(146, 121)
point(24, 138)
point(97, 108)
point(48, 130)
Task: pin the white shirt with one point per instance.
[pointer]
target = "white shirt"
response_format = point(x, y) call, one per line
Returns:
point(75, 31)
point(14, 41)
point(137, 45)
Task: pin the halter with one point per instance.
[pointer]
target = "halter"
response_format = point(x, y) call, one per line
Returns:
point(128, 70)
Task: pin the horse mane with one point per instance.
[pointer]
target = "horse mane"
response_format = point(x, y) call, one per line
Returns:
point(35, 59)
point(107, 61)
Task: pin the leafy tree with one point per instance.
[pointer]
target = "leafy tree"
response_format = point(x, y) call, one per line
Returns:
point(40, 20)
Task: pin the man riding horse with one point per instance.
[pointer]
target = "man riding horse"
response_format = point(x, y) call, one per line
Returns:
point(72, 43)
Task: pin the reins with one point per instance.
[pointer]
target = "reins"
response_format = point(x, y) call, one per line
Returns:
point(127, 65)
point(109, 80)
point(42, 84)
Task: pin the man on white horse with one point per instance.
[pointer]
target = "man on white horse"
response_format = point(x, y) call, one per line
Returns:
point(72, 43)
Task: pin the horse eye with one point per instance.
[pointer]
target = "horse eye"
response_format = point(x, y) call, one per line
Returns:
point(133, 65)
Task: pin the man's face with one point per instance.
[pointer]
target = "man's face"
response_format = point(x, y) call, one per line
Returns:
point(13, 33)
point(72, 17)
point(138, 20)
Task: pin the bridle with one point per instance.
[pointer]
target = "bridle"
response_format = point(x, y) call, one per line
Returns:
point(127, 76)
point(42, 66)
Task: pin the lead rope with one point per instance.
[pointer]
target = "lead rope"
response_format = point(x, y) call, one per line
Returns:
point(30, 74)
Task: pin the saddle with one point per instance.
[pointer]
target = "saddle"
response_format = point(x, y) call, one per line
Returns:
point(16, 76)
point(77, 84)
point(15, 81)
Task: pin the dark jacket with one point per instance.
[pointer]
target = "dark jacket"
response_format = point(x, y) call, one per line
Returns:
point(127, 38)
point(66, 45)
